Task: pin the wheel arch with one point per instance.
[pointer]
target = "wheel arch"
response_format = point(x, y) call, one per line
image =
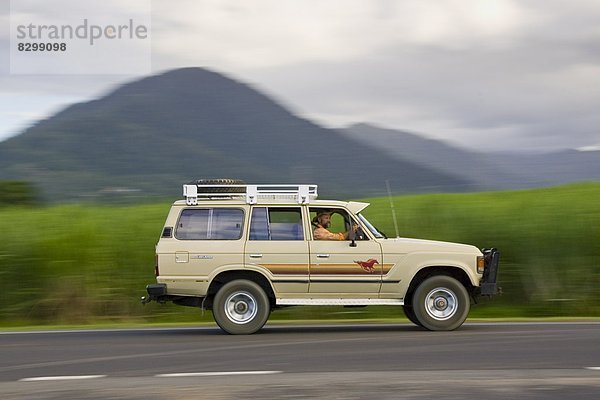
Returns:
point(453, 271)
point(230, 275)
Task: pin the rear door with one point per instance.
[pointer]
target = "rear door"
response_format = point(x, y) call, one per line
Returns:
point(277, 246)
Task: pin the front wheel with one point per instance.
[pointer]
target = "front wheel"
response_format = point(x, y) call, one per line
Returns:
point(441, 303)
point(410, 314)
point(241, 307)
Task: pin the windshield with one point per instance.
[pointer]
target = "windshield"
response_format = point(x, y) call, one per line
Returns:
point(371, 228)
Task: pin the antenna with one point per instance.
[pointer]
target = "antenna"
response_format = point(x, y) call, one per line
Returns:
point(387, 185)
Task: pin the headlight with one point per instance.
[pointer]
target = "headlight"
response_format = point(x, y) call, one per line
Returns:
point(480, 264)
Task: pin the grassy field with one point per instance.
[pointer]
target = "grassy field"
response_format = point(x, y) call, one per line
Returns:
point(75, 264)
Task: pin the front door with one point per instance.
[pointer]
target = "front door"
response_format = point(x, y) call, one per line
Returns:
point(338, 268)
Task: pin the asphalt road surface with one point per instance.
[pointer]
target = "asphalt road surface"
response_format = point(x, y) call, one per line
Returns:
point(478, 361)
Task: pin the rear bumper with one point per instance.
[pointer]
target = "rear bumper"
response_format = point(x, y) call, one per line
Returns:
point(156, 292)
point(489, 282)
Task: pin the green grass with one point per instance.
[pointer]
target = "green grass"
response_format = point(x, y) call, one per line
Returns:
point(75, 264)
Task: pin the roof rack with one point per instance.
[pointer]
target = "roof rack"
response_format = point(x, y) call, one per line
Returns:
point(303, 194)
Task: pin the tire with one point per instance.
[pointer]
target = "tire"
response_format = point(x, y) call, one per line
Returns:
point(241, 307)
point(441, 303)
point(410, 314)
point(218, 183)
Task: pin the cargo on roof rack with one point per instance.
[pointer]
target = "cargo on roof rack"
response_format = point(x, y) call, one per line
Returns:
point(302, 194)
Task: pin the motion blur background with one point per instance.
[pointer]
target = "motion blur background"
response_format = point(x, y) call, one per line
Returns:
point(482, 115)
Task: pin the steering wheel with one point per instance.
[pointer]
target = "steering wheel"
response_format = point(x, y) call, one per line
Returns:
point(360, 234)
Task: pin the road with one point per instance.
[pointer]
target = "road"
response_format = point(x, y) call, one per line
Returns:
point(492, 361)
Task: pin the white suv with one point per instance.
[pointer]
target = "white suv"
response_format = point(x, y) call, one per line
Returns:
point(244, 250)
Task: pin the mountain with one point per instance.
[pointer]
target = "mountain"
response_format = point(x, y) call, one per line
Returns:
point(438, 155)
point(484, 170)
point(149, 136)
point(553, 168)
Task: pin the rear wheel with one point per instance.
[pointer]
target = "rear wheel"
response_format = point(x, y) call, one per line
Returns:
point(441, 303)
point(241, 307)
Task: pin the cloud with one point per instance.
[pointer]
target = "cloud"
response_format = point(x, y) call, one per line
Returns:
point(476, 97)
point(480, 73)
point(590, 148)
point(268, 33)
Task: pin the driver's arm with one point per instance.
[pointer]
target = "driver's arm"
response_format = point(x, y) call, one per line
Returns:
point(324, 234)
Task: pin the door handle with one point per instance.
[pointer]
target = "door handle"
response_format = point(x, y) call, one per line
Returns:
point(255, 255)
point(322, 255)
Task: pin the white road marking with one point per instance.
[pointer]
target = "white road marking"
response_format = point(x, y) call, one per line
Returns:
point(61, 378)
point(593, 368)
point(229, 373)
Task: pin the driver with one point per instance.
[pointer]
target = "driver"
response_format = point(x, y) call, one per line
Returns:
point(322, 222)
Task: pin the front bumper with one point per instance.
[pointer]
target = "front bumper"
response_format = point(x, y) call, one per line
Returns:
point(489, 282)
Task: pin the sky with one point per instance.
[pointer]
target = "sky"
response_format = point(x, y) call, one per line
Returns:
point(489, 75)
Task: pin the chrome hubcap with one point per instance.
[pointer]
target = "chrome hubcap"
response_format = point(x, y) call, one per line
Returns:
point(240, 307)
point(441, 304)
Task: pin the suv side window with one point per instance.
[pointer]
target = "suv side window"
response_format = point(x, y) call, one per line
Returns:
point(341, 221)
point(210, 224)
point(276, 224)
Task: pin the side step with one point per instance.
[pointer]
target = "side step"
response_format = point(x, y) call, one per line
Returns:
point(340, 302)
